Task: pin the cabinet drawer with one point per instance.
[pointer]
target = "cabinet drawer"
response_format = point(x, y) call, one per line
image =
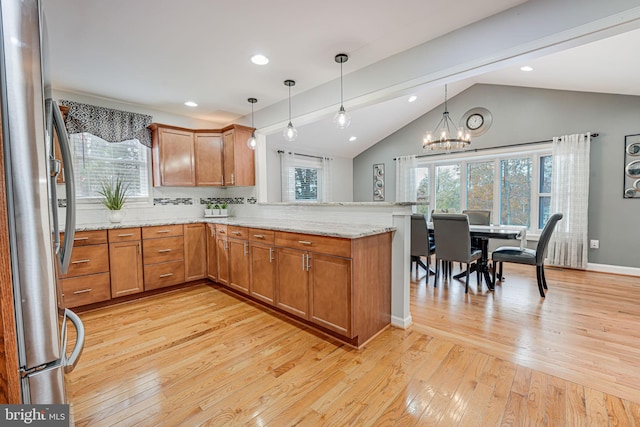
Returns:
point(320, 244)
point(88, 260)
point(221, 229)
point(93, 237)
point(124, 234)
point(236, 232)
point(86, 289)
point(161, 231)
point(261, 235)
point(165, 274)
point(163, 250)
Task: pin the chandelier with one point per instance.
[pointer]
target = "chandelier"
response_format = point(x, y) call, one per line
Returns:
point(446, 136)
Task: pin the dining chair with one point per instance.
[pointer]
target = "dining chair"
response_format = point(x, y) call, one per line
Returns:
point(478, 217)
point(453, 243)
point(528, 256)
point(422, 244)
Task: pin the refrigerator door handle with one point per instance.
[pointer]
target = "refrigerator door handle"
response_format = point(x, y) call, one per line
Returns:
point(57, 126)
point(70, 362)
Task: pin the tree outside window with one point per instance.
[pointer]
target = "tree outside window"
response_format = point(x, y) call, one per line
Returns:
point(480, 185)
point(515, 191)
point(448, 187)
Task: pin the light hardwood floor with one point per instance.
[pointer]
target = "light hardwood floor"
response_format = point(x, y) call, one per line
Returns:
point(203, 356)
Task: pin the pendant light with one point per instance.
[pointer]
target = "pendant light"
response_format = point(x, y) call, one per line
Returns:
point(341, 119)
point(290, 133)
point(252, 142)
point(445, 138)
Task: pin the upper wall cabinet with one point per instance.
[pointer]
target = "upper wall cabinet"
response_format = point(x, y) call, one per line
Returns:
point(239, 159)
point(216, 157)
point(173, 156)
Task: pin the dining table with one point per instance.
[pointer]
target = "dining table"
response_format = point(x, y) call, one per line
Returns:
point(482, 234)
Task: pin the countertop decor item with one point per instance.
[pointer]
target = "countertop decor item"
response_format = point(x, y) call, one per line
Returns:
point(114, 193)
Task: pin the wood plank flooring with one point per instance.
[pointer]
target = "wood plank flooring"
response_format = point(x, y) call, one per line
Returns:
point(203, 356)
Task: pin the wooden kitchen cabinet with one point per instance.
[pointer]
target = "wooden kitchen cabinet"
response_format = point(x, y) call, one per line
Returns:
point(173, 156)
point(87, 281)
point(292, 290)
point(212, 258)
point(208, 158)
point(222, 254)
point(163, 256)
point(125, 261)
point(239, 267)
point(330, 295)
point(239, 159)
point(195, 252)
point(263, 265)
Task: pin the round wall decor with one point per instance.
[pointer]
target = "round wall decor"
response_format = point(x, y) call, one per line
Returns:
point(476, 121)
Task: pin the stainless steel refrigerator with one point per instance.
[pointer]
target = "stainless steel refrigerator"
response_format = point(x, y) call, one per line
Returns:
point(28, 125)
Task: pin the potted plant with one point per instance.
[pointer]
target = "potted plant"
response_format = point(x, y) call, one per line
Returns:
point(208, 211)
point(114, 193)
point(223, 209)
point(216, 209)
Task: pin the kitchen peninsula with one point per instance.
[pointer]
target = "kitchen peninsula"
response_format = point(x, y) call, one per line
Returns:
point(334, 275)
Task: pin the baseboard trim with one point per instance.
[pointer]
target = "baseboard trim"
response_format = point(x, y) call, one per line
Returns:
point(401, 323)
point(615, 269)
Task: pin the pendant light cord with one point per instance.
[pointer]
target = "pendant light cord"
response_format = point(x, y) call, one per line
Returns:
point(289, 104)
point(341, 93)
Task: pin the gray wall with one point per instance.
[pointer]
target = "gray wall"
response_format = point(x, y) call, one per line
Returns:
point(525, 114)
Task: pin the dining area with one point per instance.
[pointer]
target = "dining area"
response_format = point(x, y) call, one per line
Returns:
point(464, 238)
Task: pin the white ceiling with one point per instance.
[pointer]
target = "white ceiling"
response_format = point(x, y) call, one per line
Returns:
point(160, 53)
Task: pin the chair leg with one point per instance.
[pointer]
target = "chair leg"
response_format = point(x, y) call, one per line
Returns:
point(435, 276)
point(500, 275)
point(493, 272)
point(478, 275)
point(544, 279)
point(539, 274)
point(466, 285)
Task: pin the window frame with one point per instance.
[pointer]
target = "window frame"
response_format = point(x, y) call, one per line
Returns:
point(495, 155)
point(306, 162)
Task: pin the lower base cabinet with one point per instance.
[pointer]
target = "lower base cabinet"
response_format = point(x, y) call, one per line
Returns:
point(330, 294)
point(163, 275)
point(239, 265)
point(263, 272)
point(292, 289)
point(125, 264)
point(83, 290)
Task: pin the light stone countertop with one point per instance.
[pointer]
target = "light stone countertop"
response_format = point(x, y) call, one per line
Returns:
point(349, 231)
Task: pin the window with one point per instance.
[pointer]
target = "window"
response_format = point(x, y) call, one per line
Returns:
point(304, 178)
point(514, 183)
point(95, 160)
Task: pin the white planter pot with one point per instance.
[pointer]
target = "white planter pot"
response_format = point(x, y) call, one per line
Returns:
point(224, 212)
point(116, 216)
point(208, 212)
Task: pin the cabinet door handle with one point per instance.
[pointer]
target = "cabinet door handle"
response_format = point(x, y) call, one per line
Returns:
point(305, 242)
point(259, 236)
point(81, 261)
point(233, 178)
point(308, 264)
point(270, 255)
point(125, 235)
point(225, 245)
point(75, 239)
point(162, 276)
point(237, 233)
point(164, 250)
point(163, 231)
point(246, 249)
point(303, 266)
point(83, 291)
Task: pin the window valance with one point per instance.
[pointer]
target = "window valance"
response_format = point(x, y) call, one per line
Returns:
point(107, 123)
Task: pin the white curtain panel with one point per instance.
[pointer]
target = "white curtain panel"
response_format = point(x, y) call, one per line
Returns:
point(327, 180)
point(406, 179)
point(288, 188)
point(570, 196)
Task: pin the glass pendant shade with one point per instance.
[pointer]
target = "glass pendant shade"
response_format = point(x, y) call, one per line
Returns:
point(252, 142)
point(341, 119)
point(290, 133)
point(446, 136)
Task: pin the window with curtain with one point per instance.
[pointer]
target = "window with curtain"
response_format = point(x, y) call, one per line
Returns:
point(306, 178)
point(512, 182)
point(106, 143)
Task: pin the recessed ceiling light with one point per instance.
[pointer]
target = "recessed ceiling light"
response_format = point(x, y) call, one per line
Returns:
point(412, 98)
point(190, 104)
point(353, 138)
point(259, 59)
point(526, 68)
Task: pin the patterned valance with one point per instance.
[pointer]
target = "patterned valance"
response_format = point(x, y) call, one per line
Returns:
point(107, 123)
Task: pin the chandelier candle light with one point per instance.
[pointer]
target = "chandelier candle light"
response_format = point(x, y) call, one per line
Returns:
point(252, 142)
point(444, 138)
point(341, 119)
point(290, 133)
